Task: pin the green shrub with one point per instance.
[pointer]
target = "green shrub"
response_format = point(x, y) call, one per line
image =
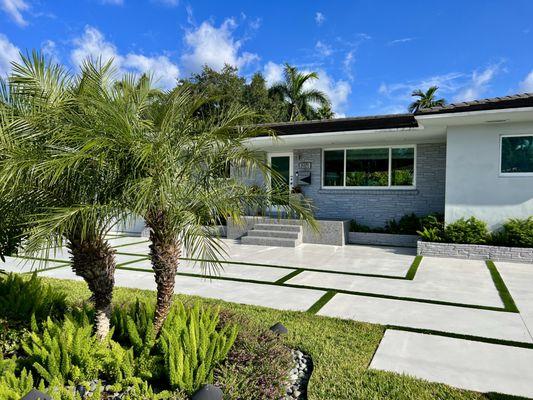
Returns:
point(13, 387)
point(518, 232)
point(409, 224)
point(192, 346)
point(469, 231)
point(431, 235)
point(21, 298)
point(257, 364)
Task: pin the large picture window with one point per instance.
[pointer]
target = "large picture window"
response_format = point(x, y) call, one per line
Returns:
point(380, 167)
point(516, 154)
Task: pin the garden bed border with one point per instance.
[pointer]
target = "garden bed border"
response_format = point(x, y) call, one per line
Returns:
point(382, 239)
point(475, 251)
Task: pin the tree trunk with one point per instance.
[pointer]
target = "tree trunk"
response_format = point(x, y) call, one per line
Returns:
point(94, 261)
point(165, 253)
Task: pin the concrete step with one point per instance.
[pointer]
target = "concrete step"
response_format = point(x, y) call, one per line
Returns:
point(276, 234)
point(278, 227)
point(270, 241)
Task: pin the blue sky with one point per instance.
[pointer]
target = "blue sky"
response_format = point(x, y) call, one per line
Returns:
point(370, 54)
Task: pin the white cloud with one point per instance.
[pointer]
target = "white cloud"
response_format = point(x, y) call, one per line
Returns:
point(14, 9)
point(323, 49)
point(214, 47)
point(49, 50)
point(447, 83)
point(527, 84)
point(8, 53)
point(479, 83)
point(93, 44)
point(337, 91)
point(273, 73)
point(319, 18)
point(399, 41)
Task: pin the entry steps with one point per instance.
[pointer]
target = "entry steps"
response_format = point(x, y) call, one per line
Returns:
point(274, 235)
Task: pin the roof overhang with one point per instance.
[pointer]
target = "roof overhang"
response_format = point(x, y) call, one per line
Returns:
point(510, 115)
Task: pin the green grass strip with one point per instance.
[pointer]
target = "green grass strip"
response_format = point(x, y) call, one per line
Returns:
point(321, 302)
point(505, 295)
point(326, 289)
point(413, 268)
point(289, 276)
point(473, 338)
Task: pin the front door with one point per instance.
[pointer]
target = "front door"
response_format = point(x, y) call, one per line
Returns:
point(282, 164)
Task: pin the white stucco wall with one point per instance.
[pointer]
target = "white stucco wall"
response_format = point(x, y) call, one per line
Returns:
point(474, 186)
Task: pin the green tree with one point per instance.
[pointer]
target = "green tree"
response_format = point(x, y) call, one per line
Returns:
point(170, 155)
point(300, 101)
point(46, 131)
point(325, 112)
point(425, 99)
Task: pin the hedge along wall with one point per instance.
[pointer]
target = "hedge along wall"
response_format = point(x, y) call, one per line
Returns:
point(475, 251)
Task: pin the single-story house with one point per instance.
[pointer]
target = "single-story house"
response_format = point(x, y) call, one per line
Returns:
point(466, 159)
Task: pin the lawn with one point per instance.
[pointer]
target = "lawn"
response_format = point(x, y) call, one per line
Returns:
point(341, 350)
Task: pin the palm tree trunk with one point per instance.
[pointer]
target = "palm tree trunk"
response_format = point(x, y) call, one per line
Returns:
point(165, 253)
point(94, 261)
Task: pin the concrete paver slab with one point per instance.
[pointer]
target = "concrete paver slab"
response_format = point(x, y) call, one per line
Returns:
point(459, 320)
point(465, 364)
point(240, 271)
point(21, 265)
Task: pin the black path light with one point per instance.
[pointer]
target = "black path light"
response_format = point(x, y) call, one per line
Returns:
point(279, 328)
point(208, 392)
point(34, 394)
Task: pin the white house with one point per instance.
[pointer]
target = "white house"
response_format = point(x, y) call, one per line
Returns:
point(465, 159)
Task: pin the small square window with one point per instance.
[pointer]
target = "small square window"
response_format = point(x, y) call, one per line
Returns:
point(517, 154)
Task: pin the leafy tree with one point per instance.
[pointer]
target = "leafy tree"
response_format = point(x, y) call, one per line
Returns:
point(325, 112)
point(170, 154)
point(46, 134)
point(300, 101)
point(425, 99)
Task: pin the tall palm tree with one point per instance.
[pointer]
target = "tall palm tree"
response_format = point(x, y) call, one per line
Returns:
point(425, 99)
point(171, 157)
point(45, 146)
point(301, 101)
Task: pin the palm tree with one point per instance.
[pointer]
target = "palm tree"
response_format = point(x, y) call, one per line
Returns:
point(171, 156)
point(425, 99)
point(301, 101)
point(45, 145)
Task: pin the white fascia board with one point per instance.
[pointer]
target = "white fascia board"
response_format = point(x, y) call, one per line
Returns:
point(463, 117)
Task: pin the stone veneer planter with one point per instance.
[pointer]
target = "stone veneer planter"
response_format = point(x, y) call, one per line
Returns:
point(475, 251)
point(382, 239)
point(329, 232)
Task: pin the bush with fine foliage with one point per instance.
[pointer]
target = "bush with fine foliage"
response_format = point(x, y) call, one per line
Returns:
point(468, 231)
point(257, 364)
point(20, 298)
point(518, 232)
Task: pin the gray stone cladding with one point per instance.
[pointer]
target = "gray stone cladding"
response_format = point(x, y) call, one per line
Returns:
point(382, 239)
point(374, 207)
point(475, 251)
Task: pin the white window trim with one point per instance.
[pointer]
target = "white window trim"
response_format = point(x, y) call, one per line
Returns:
point(389, 187)
point(510, 174)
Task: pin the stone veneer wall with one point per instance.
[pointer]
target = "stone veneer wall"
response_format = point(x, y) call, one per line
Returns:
point(374, 207)
point(475, 251)
point(382, 239)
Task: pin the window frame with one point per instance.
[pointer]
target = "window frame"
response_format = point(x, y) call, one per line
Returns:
point(510, 174)
point(389, 186)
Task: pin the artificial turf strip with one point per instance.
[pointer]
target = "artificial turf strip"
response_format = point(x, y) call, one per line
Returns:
point(321, 302)
point(341, 349)
point(504, 293)
point(413, 268)
point(325, 289)
point(289, 276)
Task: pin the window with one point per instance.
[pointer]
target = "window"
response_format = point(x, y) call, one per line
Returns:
point(382, 167)
point(516, 154)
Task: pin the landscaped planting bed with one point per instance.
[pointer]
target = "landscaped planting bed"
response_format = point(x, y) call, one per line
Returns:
point(257, 366)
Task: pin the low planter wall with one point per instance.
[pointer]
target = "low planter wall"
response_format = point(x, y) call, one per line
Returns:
point(475, 251)
point(329, 232)
point(382, 239)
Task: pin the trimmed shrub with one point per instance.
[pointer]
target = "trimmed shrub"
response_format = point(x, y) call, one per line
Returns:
point(21, 298)
point(518, 232)
point(431, 235)
point(468, 231)
point(409, 224)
